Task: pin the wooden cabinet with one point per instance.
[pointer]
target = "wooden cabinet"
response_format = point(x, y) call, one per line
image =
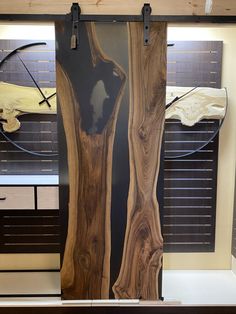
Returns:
point(29, 219)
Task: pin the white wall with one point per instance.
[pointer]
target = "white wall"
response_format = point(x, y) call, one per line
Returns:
point(9, 30)
point(221, 258)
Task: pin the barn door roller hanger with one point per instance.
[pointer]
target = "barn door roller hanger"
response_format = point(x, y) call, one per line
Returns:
point(146, 11)
point(75, 17)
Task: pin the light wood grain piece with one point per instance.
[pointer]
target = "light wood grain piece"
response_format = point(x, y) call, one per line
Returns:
point(131, 7)
point(16, 100)
point(201, 103)
point(17, 197)
point(48, 197)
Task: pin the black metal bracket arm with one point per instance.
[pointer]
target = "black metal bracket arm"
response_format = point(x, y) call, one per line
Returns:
point(146, 11)
point(75, 17)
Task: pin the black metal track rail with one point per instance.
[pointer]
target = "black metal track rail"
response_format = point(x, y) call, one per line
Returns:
point(123, 18)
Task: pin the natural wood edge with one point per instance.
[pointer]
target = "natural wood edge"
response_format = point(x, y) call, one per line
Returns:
point(82, 149)
point(143, 244)
point(67, 269)
point(201, 103)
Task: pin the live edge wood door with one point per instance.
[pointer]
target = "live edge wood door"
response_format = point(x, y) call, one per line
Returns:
point(111, 93)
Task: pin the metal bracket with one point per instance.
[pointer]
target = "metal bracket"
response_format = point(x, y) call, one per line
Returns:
point(146, 11)
point(75, 16)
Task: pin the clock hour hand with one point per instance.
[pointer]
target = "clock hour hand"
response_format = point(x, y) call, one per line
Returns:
point(42, 101)
point(36, 84)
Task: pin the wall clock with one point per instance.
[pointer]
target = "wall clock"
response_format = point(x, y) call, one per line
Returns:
point(192, 105)
point(16, 100)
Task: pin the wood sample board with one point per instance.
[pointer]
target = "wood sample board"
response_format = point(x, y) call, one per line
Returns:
point(91, 83)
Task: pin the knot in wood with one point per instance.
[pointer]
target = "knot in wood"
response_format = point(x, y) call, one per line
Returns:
point(84, 260)
point(142, 133)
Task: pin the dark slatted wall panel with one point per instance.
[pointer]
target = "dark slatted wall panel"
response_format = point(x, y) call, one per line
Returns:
point(195, 63)
point(189, 212)
point(29, 231)
point(38, 131)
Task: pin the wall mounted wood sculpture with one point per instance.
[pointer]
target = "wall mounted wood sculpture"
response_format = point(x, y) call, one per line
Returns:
point(90, 87)
point(201, 103)
point(17, 100)
point(21, 104)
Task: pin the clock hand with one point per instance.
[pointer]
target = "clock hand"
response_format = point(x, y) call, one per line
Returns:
point(36, 84)
point(42, 101)
point(179, 97)
point(21, 48)
point(24, 149)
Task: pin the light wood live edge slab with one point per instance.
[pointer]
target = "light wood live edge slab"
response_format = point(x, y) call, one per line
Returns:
point(201, 103)
point(143, 248)
point(86, 266)
point(16, 100)
point(129, 7)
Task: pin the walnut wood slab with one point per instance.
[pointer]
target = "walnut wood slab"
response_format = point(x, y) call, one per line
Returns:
point(143, 247)
point(85, 272)
point(16, 100)
point(201, 103)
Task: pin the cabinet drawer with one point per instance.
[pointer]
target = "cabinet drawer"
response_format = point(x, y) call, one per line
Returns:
point(17, 198)
point(47, 197)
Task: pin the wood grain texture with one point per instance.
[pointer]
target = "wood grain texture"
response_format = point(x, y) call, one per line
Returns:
point(201, 103)
point(143, 247)
point(226, 7)
point(16, 198)
point(48, 197)
point(86, 265)
point(16, 100)
point(132, 7)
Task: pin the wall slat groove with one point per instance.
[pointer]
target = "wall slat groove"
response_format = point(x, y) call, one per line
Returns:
point(190, 182)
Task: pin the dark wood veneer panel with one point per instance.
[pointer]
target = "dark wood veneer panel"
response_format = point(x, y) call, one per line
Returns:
point(82, 76)
point(29, 231)
point(143, 246)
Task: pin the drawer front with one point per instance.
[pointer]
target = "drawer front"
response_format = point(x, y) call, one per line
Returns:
point(17, 198)
point(48, 197)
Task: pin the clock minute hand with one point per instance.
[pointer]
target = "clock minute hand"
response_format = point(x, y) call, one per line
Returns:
point(36, 84)
point(42, 101)
point(179, 97)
